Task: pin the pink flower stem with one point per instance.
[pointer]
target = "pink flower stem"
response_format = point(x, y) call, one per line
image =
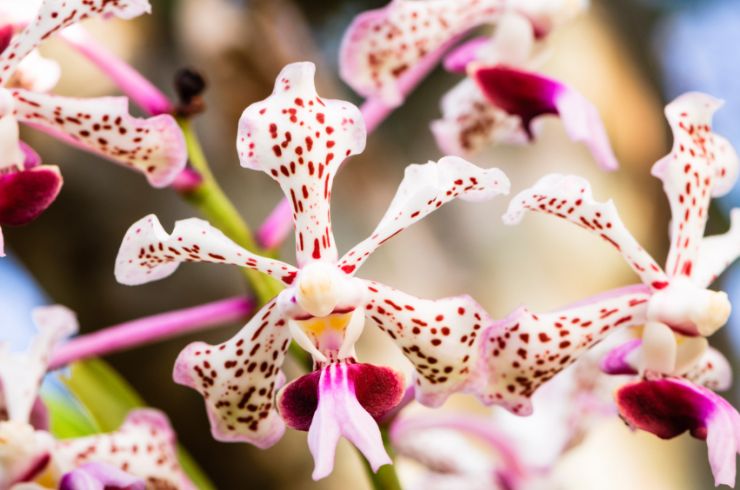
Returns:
point(278, 225)
point(152, 329)
point(130, 81)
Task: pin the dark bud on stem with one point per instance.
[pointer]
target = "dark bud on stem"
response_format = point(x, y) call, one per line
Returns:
point(189, 85)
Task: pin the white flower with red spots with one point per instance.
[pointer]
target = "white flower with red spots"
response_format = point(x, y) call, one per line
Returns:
point(140, 453)
point(679, 310)
point(300, 140)
point(502, 451)
point(386, 50)
point(153, 146)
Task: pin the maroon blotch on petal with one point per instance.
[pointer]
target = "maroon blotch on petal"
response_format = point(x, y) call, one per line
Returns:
point(24, 195)
point(378, 389)
point(665, 407)
point(517, 92)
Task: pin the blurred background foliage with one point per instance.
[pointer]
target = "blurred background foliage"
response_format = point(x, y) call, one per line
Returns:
point(628, 57)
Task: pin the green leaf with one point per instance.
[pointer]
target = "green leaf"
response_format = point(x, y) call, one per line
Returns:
point(68, 419)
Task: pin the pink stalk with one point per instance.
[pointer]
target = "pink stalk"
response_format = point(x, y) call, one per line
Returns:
point(130, 81)
point(187, 180)
point(278, 224)
point(152, 329)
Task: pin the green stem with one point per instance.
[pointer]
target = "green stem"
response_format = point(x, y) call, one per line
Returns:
point(386, 478)
point(209, 198)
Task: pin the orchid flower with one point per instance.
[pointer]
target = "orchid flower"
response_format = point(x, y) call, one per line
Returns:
point(514, 455)
point(140, 454)
point(680, 309)
point(300, 140)
point(153, 146)
point(385, 50)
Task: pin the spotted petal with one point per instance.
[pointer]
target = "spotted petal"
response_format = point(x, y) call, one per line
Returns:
point(144, 447)
point(689, 174)
point(668, 407)
point(425, 188)
point(381, 45)
point(726, 166)
point(153, 146)
point(713, 371)
point(301, 140)
point(530, 95)
point(716, 253)
point(470, 122)
point(54, 15)
point(21, 373)
point(148, 253)
point(569, 197)
point(239, 377)
point(525, 349)
point(438, 337)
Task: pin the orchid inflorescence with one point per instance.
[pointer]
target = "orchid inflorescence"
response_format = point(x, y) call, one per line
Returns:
point(557, 370)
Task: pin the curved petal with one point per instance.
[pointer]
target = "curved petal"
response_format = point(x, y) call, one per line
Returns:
point(717, 252)
point(54, 15)
point(21, 373)
point(525, 350)
point(300, 140)
point(148, 253)
point(239, 377)
point(469, 122)
point(425, 188)
point(144, 447)
point(669, 407)
point(726, 166)
point(381, 45)
point(512, 43)
point(339, 413)
point(689, 174)
point(25, 194)
point(569, 197)
point(100, 476)
point(441, 338)
point(530, 95)
point(154, 146)
point(620, 360)
point(712, 370)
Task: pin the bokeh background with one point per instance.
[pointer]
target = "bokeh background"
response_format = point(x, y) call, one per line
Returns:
point(628, 57)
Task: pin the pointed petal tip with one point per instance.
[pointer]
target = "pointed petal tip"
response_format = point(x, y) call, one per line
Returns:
point(297, 77)
point(697, 102)
point(174, 151)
